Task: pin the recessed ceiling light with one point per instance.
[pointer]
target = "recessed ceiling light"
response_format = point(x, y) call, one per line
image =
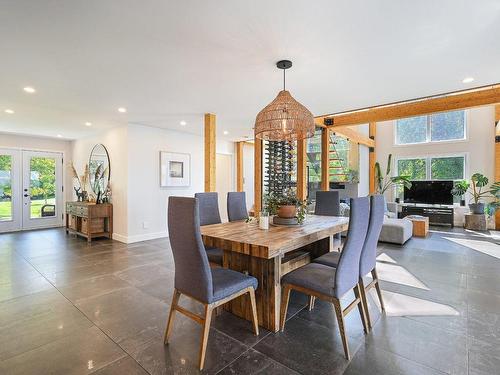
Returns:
point(9, 111)
point(59, 136)
point(122, 110)
point(88, 124)
point(29, 89)
point(468, 80)
point(226, 132)
point(183, 123)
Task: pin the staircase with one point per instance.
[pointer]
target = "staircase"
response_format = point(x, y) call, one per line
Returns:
point(336, 167)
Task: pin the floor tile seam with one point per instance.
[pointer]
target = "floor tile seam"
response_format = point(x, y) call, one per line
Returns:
point(404, 357)
point(410, 359)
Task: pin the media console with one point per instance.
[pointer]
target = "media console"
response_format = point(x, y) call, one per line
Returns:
point(436, 215)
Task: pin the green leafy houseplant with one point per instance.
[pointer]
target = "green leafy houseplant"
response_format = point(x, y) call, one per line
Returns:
point(273, 203)
point(384, 182)
point(475, 187)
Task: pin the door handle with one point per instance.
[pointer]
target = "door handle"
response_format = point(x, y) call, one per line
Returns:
point(26, 195)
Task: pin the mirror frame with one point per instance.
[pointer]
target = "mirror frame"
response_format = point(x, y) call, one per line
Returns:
point(109, 162)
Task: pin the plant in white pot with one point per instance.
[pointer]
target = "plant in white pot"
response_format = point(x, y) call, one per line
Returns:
point(475, 187)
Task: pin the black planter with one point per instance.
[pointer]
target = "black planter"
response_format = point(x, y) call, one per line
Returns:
point(477, 208)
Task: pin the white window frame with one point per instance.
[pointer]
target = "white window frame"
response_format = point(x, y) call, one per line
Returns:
point(429, 130)
point(428, 158)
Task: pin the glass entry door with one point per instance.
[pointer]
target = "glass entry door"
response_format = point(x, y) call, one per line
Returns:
point(10, 187)
point(30, 190)
point(42, 189)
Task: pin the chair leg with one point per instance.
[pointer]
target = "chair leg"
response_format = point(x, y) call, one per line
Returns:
point(312, 300)
point(206, 331)
point(340, 320)
point(171, 316)
point(377, 287)
point(285, 297)
point(255, 320)
point(362, 292)
point(361, 307)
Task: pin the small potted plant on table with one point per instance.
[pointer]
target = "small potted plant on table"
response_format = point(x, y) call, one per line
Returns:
point(286, 206)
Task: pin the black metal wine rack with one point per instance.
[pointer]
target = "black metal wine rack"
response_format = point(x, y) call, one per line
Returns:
point(279, 162)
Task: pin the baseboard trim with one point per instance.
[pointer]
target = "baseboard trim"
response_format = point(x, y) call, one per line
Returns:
point(139, 237)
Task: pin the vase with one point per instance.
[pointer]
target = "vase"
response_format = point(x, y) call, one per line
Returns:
point(287, 212)
point(477, 208)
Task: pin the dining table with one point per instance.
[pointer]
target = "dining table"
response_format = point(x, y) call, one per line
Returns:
point(268, 254)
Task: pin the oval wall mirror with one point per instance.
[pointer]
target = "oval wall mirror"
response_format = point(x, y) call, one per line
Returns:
point(99, 169)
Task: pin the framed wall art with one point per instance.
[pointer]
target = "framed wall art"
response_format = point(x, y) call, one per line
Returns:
point(175, 169)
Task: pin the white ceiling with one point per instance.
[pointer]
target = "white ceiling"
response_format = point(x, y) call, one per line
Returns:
point(167, 61)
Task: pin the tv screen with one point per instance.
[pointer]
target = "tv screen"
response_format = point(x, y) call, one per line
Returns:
point(429, 192)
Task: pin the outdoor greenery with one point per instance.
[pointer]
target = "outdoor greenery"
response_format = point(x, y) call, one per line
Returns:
point(384, 182)
point(36, 207)
point(431, 128)
point(441, 168)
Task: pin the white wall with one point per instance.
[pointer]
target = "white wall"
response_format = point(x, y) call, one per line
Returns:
point(115, 141)
point(479, 145)
point(248, 174)
point(147, 202)
point(43, 144)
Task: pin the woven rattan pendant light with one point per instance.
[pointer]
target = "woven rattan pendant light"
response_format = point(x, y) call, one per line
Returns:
point(284, 119)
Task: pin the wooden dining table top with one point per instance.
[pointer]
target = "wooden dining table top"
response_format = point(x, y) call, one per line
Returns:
point(248, 238)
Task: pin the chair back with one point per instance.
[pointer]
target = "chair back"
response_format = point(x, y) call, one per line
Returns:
point(192, 270)
point(327, 203)
point(369, 254)
point(236, 206)
point(347, 274)
point(209, 208)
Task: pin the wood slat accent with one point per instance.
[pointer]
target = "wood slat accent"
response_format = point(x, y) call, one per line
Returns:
point(438, 103)
point(302, 169)
point(372, 156)
point(239, 165)
point(247, 238)
point(210, 128)
point(325, 159)
point(257, 166)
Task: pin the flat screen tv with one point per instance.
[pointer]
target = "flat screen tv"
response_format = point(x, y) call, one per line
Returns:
point(429, 192)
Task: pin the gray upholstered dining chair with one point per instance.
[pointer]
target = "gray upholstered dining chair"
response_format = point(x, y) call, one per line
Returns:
point(368, 259)
point(209, 214)
point(236, 206)
point(193, 276)
point(328, 204)
point(330, 284)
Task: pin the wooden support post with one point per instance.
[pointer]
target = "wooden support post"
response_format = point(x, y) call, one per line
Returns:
point(497, 158)
point(372, 157)
point(257, 176)
point(325, 159)
point(209, 152)
point(239, 165)
point(302, 169)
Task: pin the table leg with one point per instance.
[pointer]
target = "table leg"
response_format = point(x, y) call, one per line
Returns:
point(268, 293)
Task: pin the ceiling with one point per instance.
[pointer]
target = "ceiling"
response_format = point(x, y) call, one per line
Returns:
point(168, 61)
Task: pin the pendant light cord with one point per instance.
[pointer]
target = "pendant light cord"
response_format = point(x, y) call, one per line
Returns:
point(284, 79)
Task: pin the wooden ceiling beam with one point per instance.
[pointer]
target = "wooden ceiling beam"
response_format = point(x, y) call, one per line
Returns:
point(351, 134)
point(439, 103)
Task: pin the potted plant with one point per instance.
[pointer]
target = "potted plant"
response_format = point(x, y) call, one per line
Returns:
point(384, 182)
point(459, 189)
point(287, 206)
point(475, 187)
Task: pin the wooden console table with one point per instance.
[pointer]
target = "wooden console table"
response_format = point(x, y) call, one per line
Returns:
point(89, 220)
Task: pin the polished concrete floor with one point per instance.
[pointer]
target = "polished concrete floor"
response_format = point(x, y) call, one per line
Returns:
point(70, 308)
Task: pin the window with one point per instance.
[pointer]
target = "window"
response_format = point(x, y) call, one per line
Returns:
point(449, 167)
point(447, 126)
point(314, 164)
point(432, 167)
